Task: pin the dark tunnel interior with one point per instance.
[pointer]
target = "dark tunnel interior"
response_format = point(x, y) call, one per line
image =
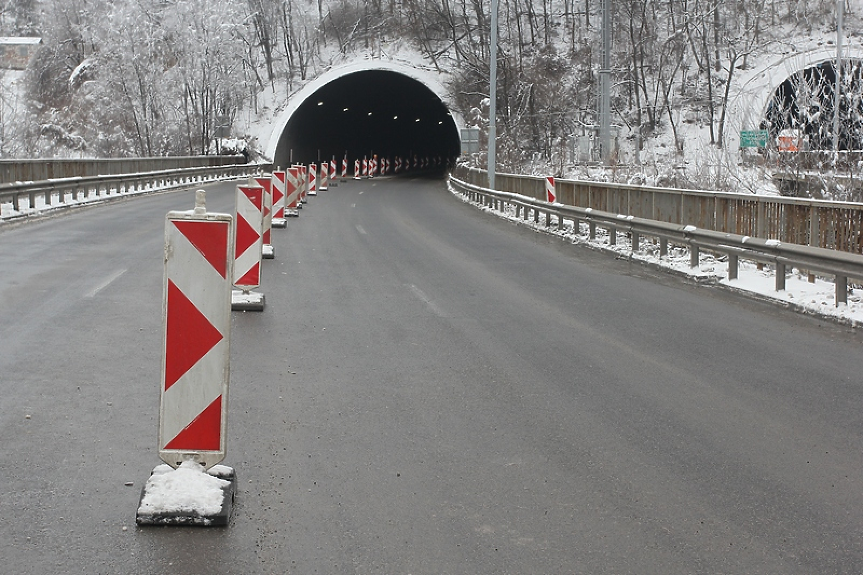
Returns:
point(369, 113)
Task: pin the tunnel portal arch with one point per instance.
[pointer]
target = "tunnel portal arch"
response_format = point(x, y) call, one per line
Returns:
point(369, 107)
point(752, 105)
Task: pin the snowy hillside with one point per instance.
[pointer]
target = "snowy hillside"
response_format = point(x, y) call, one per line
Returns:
point(132, 78)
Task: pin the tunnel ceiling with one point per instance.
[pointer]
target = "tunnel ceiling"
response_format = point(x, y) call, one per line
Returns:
point(369, 112)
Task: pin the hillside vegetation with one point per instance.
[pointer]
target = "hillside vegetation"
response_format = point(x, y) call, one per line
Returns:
point(135, 77)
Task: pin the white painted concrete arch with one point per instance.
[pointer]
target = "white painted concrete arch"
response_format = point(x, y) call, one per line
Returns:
point(428, 78)
point(748, 108)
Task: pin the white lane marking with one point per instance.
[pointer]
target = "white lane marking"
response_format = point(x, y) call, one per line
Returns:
point(108, 281)
point(361, 230)
point(426, 300)
point(353, 205)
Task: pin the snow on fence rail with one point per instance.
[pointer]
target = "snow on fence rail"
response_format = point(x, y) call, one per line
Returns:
point(33, 170)
point(48, 194)
point(843, 266)
point(817, 223)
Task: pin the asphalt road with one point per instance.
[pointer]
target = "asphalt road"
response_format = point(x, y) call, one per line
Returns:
point(430, 390)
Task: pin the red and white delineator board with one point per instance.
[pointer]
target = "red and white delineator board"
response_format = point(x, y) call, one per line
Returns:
point(197, 332)
point(324, 177)
point(550, 192)
point(334, 177)
point(248, 237)
point(280, 199)
point(344, 168)
point(266, 182)
point(293, 191)
point(356, 169)
point(312, 188)
point(304, 183)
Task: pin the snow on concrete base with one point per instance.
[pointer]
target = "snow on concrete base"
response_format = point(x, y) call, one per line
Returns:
point(292, 213)
point(280, 223)
point(269, 252)
point(188, 495)
point(247, 301)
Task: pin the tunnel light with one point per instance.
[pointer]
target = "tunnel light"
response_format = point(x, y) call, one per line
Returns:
point(345, 110)
point(320, 103)
point(418, 119)
point(370, 113)
point(439, 123)
point(395, 117)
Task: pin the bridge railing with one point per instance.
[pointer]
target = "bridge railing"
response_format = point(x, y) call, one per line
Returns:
point(69, 191)
point(34, 170)
point(783, 256)
point(817, 223)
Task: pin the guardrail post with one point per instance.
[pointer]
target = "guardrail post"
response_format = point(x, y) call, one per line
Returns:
point(612, 236)
point(592, 229)
point(732, 266)
point(841, 290)
point(663, 247)
point(635, 239)
point(780, 276)
point(693, 255)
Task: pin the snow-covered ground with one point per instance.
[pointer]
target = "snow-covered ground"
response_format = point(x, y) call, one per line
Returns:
point(816, 298)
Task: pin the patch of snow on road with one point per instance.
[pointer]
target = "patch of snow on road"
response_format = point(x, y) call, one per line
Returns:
point(189, 488)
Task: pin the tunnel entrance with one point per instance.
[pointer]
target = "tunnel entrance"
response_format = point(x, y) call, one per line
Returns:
point(365, 113)
point(802, 108)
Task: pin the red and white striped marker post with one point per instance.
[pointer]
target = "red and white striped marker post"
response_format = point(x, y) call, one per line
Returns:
point(357, 169)
point(266, 182)
point(195, 371)
point(304, 184)
point(398, 164)
point(550, 193)
point(195, 368)
point(280, 198)
point(292, 191)
point(386, 166)
point(365, 167)
point(333, 175)
point(324, 177)
point(373, 166)
point(312, 188)
point(344, 168)
point(248, 249)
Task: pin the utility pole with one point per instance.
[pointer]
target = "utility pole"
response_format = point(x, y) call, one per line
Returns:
point(492, 94)
point(840, 14)
point(605, 86)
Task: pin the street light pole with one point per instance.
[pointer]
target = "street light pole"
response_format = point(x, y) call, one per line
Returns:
point(492, 94)
point(605, 85)
point(840, 13)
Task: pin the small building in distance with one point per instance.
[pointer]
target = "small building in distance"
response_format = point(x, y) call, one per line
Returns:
point(16, 52)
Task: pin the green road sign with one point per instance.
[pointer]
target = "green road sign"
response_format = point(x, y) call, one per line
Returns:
point(753, 138)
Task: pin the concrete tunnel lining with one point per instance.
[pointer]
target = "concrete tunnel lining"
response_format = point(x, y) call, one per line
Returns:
point(368, 107)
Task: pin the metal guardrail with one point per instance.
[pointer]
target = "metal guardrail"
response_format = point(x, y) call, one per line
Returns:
point(819, 223)
point(841, 265)
point(33, 170)
point(56, 192)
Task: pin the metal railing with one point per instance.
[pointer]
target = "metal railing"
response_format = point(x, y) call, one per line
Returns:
point(71, 191)
point(34, 170)
point(783, 256)
point(818, 223)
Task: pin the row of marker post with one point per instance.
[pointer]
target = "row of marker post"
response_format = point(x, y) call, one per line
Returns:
point(213, 265)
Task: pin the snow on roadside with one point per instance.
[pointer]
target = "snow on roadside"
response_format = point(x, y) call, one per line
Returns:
point(189, 488)
point(816, 298)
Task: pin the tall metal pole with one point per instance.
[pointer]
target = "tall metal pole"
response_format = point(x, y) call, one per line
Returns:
point(492, 94)
point(840, 13)
point(605, 85)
